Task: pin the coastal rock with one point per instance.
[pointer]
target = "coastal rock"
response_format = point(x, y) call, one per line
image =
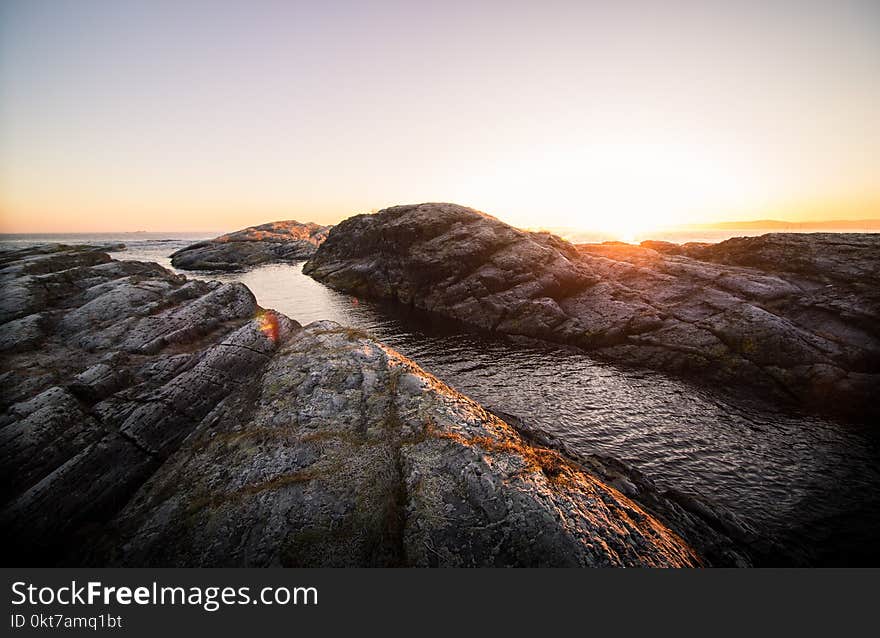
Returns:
point(852, 259)
point(161, 421)
point(346, 453)
point(794, 317)
point(281, 241)
point(84, 422)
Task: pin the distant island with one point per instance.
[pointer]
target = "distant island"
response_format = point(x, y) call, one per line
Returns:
point(773, 224)
point(759, 226)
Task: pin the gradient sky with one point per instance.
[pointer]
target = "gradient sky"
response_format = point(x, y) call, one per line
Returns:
point(209, 116)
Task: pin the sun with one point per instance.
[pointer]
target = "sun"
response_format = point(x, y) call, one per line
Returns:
point(621, 224)
point(622, 191)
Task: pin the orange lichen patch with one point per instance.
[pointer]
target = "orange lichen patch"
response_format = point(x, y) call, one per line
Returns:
point(564, 473)
point(267, 320)
point(395, 359)
point(275, 483)
point(281, 481)
point(249, 436)
point(537, 459)
point(435, 385)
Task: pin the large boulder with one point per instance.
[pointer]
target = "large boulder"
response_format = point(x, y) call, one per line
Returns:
point(282, 241)
point(151, 420)
point(797, 321)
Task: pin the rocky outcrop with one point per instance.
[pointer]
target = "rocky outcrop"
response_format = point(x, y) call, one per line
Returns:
point(847, 259)
point(152, 420)
point(348, 454)
point(282, 241)
point(794, 316)
point(107, 367)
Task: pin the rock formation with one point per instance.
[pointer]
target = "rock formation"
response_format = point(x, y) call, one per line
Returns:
point(152, 420)
point(282, 241)
point(794, 316)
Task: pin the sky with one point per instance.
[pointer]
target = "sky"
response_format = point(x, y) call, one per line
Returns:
point(211, 116)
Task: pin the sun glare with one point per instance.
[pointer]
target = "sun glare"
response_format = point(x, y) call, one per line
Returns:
point(624, 191)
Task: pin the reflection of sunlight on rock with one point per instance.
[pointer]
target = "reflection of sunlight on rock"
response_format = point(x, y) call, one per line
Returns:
point(267, 320)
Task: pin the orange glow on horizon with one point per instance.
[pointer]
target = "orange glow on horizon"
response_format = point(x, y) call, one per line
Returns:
point(613, 117)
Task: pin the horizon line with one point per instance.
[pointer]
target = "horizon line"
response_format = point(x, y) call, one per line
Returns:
point(722, 225)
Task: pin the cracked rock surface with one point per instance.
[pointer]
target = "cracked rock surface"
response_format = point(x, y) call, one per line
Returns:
point(152, 420)
point(794, 316)
point(279, 241)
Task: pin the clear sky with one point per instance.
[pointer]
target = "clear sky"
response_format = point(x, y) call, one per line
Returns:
point(187, 115)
